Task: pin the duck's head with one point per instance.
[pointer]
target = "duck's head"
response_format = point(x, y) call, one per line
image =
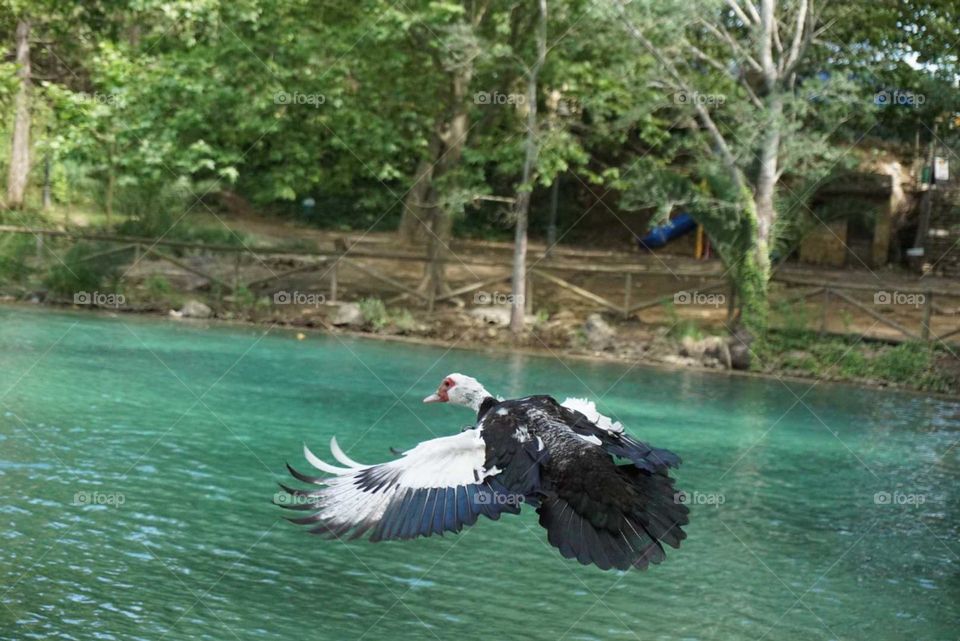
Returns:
point(459, 389)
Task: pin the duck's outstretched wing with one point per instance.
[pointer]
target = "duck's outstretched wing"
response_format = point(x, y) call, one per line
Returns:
point(438, 486)
point(583, 418)
point(614, 516)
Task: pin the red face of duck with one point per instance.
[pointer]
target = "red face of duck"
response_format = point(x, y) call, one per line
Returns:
point(442, 395)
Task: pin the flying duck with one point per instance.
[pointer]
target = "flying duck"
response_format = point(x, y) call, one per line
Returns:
point(562, 459)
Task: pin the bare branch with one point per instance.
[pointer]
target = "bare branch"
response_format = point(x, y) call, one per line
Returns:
point(822, 30)
point(479, 12)
point(713, 62)
point(739, 12)
point(801, 32)
point(751, 94)
point(776, 40)
point(738, 52)
point(752, 8)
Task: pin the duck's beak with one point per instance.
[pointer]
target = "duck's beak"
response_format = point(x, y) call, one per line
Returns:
point(433, 398)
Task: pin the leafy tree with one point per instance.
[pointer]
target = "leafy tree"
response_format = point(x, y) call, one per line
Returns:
point(764, 121)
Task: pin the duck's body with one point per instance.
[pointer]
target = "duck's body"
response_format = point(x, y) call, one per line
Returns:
point(593, 509)
point(531, 450)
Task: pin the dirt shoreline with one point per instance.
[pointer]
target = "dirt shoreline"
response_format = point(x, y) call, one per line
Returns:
point(473, 345)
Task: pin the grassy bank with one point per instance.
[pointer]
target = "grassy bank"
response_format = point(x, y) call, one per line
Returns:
point(914, 365)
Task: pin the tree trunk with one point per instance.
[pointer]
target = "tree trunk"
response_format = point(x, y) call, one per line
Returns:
point(47, 186)
point(519, 278)
point(441, 227)
point(552, 223)
point(20, 151)
point(417, 210)
point(453, 139)
point(111, 188)
point(111, 184)
point(767, 174)
point(752, 272)
point(759, 211)
point(522, 202)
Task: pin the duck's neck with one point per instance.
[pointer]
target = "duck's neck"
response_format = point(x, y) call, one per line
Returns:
point(475, 397)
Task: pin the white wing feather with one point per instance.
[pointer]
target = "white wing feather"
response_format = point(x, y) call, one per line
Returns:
point(341, 456)
point(589, 409)
point(318, 463)
point(446, 462)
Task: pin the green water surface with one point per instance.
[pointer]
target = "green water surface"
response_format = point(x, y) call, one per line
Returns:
point(138, 459)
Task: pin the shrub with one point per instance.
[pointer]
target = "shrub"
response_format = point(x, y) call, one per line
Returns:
point(163, 210)
point(374, 313)
point(15, 251)
point(157, 290)
point(378, 317)
point(680, 328)
point(912, 364)
point(77, 272)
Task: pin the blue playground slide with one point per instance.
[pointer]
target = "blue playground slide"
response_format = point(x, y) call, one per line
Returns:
point(674, 228)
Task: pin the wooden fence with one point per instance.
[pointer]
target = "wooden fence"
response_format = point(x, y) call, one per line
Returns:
point(544, 270)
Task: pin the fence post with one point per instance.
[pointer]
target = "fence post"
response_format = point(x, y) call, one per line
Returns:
point(824, 310)
point(627, 290)
point(431, 289)
point(927, 313)
point(39, 247)
point(731, 301)
point(333, 280)
point(236, 273)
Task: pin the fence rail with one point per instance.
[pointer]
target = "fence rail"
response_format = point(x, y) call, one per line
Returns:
point(543, 269)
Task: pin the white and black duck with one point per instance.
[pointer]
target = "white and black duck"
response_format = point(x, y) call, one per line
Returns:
point(561, 460)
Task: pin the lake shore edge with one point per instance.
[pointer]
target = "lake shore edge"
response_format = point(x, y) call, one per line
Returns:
point(301, 331)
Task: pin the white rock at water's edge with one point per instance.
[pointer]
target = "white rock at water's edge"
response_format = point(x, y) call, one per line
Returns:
point(498, 315)
point(348, 314)
point(493, 314)
point(599, 334)
point(195, 309)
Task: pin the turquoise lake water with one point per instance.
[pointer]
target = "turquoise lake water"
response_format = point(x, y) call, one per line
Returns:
point(138, 459)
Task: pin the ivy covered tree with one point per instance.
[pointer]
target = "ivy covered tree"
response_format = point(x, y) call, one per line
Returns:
point(765, 110)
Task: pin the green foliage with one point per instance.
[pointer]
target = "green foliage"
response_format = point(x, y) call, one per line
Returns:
point(681, 328)
point(248, 303)
point(158, 291)
point(793, 318)
point(404, 321)
point(379, 318)
point(160, 210)
point(157, 285)
point(15, 251)
point(374, 313)
point(915, 364)
point(685, 328)
point(78, 270)
point(143, 203)
point(911, 364)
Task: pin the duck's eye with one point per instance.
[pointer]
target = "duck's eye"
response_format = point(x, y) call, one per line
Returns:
point(447, 382)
